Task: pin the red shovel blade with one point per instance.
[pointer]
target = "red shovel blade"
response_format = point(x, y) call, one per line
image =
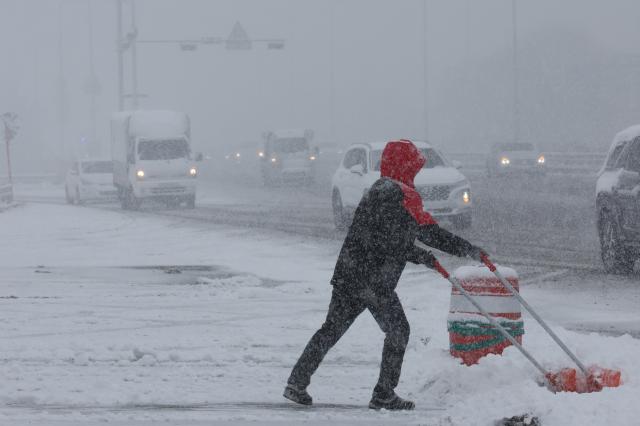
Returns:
point(568, 380)
point(599, 378)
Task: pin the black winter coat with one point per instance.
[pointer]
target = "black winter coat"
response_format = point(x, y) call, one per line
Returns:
point(381, 239)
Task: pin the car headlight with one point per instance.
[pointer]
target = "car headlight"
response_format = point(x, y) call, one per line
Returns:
point(505, 161)
point(140, 174)
point(541, 159)
point(466, 196)
point(312, 158)
point(193, 172)
point(237, 155)
point(260, 154)
point(274, 160)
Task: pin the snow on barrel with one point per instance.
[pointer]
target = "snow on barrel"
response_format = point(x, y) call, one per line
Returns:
point(471, 335)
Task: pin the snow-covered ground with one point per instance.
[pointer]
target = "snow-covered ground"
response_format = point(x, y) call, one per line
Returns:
point(130, 318)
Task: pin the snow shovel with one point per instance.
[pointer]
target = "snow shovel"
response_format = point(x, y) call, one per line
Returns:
point(593, 379)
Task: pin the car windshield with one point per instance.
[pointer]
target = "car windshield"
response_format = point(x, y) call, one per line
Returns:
point(433, 159)
point(515, 147)
point(169, 149)
point(97, 167)
point(290, 145)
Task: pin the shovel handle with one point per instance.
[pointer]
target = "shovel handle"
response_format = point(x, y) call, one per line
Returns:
point(534, 314)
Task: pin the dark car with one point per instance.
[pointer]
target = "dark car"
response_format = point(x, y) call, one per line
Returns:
point(512, 158)
point(618, 203)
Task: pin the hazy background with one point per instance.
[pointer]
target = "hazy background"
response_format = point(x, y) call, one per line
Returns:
point(352, 70)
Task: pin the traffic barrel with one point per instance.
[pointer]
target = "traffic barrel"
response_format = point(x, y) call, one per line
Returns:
point(471, 335)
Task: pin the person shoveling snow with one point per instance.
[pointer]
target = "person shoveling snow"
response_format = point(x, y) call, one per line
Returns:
point(380, 241)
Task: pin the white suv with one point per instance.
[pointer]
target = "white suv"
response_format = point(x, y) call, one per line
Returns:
point(445, 191)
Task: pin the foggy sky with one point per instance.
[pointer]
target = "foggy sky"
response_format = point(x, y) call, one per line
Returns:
point(352, 70)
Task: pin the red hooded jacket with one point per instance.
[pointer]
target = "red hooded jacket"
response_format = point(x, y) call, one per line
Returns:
point(401, 161)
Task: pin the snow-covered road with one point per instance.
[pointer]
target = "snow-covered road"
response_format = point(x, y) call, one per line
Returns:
point(135, 319)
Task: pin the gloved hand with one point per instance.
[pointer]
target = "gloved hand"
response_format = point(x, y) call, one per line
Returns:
point(427, 258)
point(476, 253)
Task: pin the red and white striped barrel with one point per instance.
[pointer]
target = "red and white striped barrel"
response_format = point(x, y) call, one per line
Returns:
point(471, 335)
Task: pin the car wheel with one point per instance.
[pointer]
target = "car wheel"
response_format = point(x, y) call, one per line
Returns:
point(67, 196)
point(462, 221)
point(78, 200)
point(124, 198)
point(129, 200)
point(615, 256)
point(339, 218)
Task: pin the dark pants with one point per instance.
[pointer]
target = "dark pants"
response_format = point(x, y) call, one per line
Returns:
point(343, 310)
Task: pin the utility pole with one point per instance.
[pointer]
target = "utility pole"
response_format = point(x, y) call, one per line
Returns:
point(134, 57)
point(516, 99)
point(120, 59)
point(92, 83)
point(425, 70)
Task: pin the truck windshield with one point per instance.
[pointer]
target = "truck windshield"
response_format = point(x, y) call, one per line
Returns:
point(289, 145)
point(169, 149)
point(433, 159)
point(97, 167)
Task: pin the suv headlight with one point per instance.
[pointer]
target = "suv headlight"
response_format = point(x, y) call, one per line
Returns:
point(140, 174)
point(466, 196)
point(193, 172)
point(505, 161)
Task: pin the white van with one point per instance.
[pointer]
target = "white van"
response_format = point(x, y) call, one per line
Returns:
point(288, 156)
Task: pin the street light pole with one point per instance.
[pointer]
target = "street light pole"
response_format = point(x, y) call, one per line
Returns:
point(516, 99)
point(92, 83)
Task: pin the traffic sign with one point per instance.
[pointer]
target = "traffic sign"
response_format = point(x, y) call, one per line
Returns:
point(238, 39)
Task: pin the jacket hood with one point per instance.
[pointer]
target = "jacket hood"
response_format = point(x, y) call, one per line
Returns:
point(401, 161)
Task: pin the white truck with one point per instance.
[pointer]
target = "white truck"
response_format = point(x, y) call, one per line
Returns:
point(151, 156)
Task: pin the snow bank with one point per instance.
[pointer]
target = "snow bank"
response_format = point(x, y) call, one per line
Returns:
point(464, 273)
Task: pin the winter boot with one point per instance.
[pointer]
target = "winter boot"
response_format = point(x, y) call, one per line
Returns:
point(296, 394)
point(526, 420)
point(390, 402)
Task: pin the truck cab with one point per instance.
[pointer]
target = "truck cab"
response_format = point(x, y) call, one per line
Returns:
point(152, 158)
